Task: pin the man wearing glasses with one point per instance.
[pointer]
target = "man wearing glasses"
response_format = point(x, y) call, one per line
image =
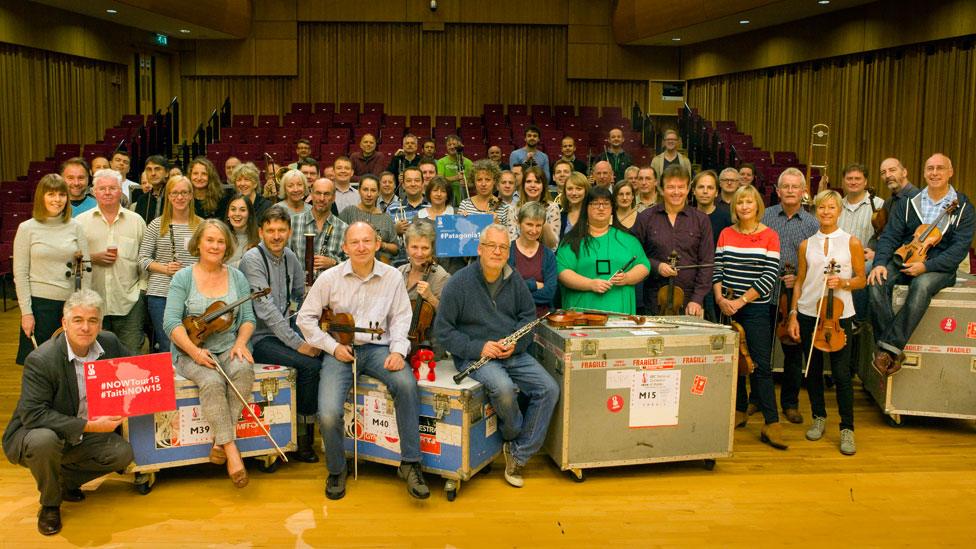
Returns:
point(481, 305)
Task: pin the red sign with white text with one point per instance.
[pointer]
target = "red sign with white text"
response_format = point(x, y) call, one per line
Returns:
point(130, 386)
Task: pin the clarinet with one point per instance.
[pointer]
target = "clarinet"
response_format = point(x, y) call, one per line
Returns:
point(510, 340)
point(309, 259)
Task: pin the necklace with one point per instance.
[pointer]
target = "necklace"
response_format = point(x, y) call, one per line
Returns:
point(750, 231)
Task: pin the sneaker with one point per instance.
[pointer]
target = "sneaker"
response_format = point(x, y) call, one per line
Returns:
point(416, 485)
point(513, 471)
point(816, 431)
point(335, 486)
point(847, 446)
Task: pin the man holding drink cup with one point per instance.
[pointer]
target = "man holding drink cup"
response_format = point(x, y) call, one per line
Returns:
point(114, 234)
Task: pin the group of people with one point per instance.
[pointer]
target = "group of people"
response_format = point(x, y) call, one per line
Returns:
point(350, 241)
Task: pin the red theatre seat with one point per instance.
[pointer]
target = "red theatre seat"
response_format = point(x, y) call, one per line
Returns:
point(325, 108)
point(373, 108)
point(349, 108)
point(295, 120)
point(519, 109)
point(301, 108)
point(268, 121)
point(242, 121)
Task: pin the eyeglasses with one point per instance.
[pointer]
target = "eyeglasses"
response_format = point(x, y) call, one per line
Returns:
point(179, 194)
point(601, 204)
point(494, 248)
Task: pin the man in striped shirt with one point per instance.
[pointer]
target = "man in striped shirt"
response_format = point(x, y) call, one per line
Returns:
point(793, 224)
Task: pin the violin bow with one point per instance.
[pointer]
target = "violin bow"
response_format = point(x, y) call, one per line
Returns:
point(247, 406)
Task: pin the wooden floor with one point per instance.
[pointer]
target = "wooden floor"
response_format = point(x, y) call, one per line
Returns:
point(913, 485)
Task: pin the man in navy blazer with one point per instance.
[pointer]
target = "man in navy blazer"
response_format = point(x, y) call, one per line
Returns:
point(50, 432)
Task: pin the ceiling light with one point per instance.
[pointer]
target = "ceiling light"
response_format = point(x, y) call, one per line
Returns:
point(823, 2)
point(111, 12)
point(676, 39)
point(743, 21)
point(185, 31)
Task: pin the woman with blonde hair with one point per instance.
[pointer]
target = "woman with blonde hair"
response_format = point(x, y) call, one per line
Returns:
point(164, 250)
point(43, 246)
point(535, 188)
point(576, 189)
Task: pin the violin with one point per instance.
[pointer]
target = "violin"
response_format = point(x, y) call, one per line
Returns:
point(218, 317)
point(783, 312)
point(671, 298)
point(342, 327)
point(76, 268)
point(565, 319)
point(829, 335)
point(925, 237)
point(745, 365)
point(423, 318)
point(879, 217)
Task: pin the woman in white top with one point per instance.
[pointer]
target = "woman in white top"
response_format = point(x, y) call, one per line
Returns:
point(44, 247)
point(243, 222)
point(535, 188)
point(440, 196)
point(814, 257)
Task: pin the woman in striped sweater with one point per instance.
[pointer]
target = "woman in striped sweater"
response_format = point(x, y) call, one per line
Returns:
point(746, 270)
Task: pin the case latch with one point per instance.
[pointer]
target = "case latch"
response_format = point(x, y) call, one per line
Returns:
point(269, 388)
point(655, 346)
point(442, 405)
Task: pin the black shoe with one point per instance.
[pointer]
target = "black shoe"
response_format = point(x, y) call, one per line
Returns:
point(416, 485)
point(335, 486)
point(49, 520)
point(74, 495)
point(306, 446)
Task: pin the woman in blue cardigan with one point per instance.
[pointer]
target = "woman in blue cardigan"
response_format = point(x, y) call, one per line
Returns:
point(191, 291)
point(536, 263)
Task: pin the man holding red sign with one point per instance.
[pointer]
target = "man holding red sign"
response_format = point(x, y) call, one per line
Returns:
point(50, 432)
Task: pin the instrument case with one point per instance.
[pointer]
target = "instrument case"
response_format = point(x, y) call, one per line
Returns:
point(938, 376)
point(633, 394)
point(458, 428)
point(182, 437)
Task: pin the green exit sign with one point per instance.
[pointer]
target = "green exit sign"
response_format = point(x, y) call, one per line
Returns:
point(162, 39)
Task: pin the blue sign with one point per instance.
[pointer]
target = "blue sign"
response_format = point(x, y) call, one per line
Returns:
point(457, 235)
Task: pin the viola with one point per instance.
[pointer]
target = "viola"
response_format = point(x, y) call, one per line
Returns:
point(879, 217)
point(423, 318)
point(829, 335)
point(342, 327)
point(745, 365)
point(565, 319)
point(783, 312)
point(76, 268)
point(925, 237)
point(671, 298)
point(218, 317)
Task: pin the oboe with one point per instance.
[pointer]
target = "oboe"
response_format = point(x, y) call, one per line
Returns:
point(510, 340)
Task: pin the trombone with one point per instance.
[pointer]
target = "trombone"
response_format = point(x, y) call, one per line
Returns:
point(817, 157)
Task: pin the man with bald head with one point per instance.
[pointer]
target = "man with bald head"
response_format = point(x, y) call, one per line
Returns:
point(924, 278)
point(373, 293)
point(326, 229)
point(603, 174)
point(367, 160)
point(895, 177)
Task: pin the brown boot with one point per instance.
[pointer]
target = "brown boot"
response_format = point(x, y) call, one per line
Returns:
point(793, 415)
point(741, 418)
point(772, 434)
point(882, 362)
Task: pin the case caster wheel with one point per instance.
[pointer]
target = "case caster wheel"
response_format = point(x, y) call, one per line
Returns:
point(268, 464)
point(893, 420)
point(144, 482)
point(709, 464)
point(486, 469)
point(451, 489)
point(578, 475)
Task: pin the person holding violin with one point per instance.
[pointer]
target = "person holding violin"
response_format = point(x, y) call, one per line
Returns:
point(599, 263)
point(746, 267)
point(194, 290)
point(675, 227)
point(362, 291)
point(831, 300)
point(926, 260)
point(424, 280)
point(793, 224)
point(536, 263)
point(482, 304)
point(483, 177)
point(272, 265)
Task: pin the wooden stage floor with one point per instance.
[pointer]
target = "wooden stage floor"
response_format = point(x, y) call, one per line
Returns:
point(908, 486)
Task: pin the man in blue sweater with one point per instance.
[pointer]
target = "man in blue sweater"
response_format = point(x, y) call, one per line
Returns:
point(924, 278)
point(481, 305)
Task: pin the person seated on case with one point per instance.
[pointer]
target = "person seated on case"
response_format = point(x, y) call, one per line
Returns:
point(924, 278)
point(374, 294)
point(50, 432)
point(481, 305)
point(271, 264)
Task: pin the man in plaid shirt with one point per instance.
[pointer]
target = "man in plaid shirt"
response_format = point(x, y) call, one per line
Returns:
point(328, 229)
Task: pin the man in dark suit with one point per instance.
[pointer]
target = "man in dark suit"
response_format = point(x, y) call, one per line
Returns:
point(50, 432)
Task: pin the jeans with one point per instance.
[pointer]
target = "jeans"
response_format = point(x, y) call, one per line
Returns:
point(128, 327)
point(840, 370)
point(503, 381)
point(789, 391)
point(157, 306)
point(270, 350)
point(759, 336)
point(335, 380)
point(892, 331)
